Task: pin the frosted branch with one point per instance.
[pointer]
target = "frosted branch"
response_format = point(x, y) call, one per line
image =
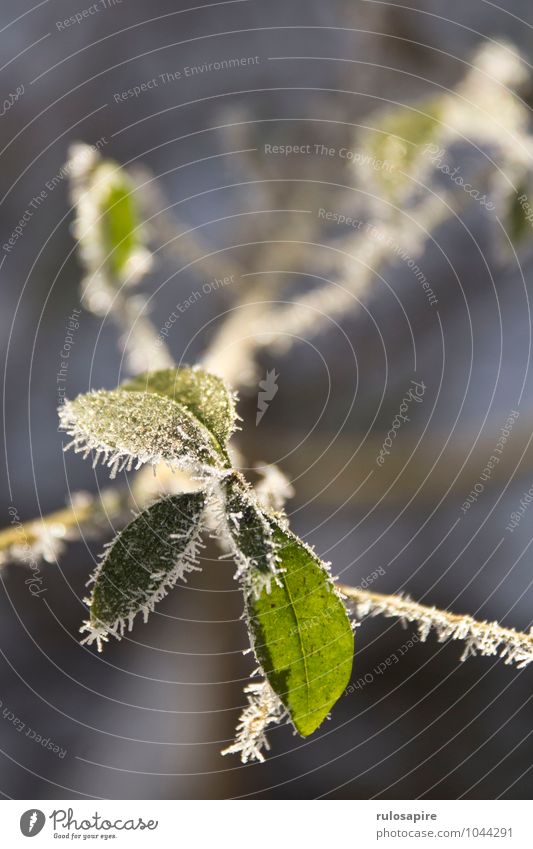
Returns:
point(45, 538)
point(486, 638)
point(264, 709)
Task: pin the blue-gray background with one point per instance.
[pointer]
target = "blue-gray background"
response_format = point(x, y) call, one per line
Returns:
point(148, 718)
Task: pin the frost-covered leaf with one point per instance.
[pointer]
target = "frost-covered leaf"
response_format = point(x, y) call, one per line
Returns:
point(107, 226)
point(301, 634)
point(131, 428)
point(205, 395)
point(107, 221)
point(251, 533)
point(144, 561)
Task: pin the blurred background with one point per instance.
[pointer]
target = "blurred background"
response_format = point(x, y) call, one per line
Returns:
point(148, 717)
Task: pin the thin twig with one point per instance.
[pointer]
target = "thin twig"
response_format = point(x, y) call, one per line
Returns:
point(45, 537)
point(485, 638)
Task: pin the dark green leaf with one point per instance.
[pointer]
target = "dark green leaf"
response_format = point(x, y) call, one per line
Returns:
point(250, 530)
point(302, 635)
point(144, 561)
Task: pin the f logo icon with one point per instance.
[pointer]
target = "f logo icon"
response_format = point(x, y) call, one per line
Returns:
point(32, 822)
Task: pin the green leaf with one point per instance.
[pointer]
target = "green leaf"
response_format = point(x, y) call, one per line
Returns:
point(110, 224)
point(517, 215)
point(119, 219)
point(396, 138)
point(143, 562)
point(302, 635)
point(127, 428)
point(205, 395)
point(107, 225)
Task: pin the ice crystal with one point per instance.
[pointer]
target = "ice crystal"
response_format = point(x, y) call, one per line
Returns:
point(263, 709)
point(485, 105)
point(273, 489)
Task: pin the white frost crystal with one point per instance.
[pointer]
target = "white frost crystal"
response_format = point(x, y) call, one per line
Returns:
point(274, 489)
point(264, 709)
